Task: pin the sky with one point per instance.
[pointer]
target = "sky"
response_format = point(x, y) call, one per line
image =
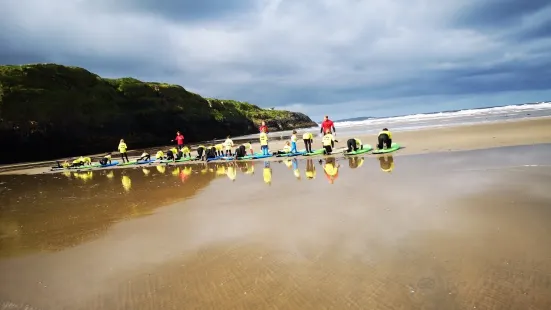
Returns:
point(343, 58)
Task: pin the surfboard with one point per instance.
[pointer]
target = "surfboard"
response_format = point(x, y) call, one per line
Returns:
point(315, 152)
point(290, 154)
point(366, 148)
point(249, 156)
point(181, 160)
point(145, 162)
point(261, 156)
point(394, 147)
point(93, 166)
point(128, 163)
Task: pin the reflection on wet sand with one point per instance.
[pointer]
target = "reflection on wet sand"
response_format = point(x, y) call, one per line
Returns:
point(331, 169)
point(446, 231)
point(387, 163)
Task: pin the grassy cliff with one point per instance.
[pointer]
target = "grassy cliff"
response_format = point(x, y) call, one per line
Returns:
point(49, 110)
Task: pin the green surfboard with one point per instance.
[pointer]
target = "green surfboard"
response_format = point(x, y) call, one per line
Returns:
point(315, 152)
point(365, 148)
point(128, 163)
point(395, 147)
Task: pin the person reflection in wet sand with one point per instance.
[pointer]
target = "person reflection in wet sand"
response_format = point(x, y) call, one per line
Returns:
point(110, 175)
point(84, 176)
point(310, 170)
point(250, 168)
point(186, 173)
point(331, 169)
point(126, 183)
point(296, 172)
point(176, 171)
point(355, 162)
point(161, 169)
point(146, 171)
point(387, 163)
point(267, 173)
point(231, 172)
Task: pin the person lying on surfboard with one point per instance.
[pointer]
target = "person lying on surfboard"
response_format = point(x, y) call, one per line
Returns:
point(286, 149)
point(105, 160)
point(200, 150)
point(385, 138)
point(211, 152)
point(186, 152)
point(354, 144)
point(219, 148)
point(160, 155)
point(241, 150)
point(145, 156)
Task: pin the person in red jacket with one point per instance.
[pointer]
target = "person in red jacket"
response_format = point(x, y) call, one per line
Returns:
point(179, 139)
point(263, 127)
point(327, 125)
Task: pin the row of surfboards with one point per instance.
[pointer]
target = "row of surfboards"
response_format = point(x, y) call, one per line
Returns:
point(365, 149)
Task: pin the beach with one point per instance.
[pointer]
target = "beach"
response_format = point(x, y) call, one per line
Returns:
point(458, 219)
point(441, 139)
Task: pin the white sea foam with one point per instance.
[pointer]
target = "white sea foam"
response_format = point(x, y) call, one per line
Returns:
point(430, 117)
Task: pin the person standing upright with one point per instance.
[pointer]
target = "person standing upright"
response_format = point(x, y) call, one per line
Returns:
point(327, 125)
point(179, 139)
point(263, 127)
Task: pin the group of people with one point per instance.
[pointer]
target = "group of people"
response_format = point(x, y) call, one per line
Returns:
point(327, 130)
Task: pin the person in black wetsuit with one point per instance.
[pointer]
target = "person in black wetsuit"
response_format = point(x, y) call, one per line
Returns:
point(385, 138)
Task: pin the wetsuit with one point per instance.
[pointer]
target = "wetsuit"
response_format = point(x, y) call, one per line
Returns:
point(241, 151)
point(328, 143)
point(385, 138)
point(122, 149)
point(200, 150)
point(264, 143)
point(354, 144)
point(308, 139)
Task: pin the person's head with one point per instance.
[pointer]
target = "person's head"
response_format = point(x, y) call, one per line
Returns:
point(287, 143)
point(385, 129)
point(249, 142)
point(122, 140)
point(228, 137)
point(263, 123)
point(177, 133)
point(326, 118)
point(294, 132)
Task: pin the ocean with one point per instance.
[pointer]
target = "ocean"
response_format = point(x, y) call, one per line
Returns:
point(428, 120)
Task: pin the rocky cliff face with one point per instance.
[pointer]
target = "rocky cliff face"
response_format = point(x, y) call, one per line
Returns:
point(49, 110)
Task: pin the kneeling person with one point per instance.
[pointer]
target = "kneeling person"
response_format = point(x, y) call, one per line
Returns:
point(328, 143)
point(354, 145)
point(385, 138)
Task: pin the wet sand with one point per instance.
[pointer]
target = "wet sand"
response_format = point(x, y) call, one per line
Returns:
point(445, 139)
point(454, 230)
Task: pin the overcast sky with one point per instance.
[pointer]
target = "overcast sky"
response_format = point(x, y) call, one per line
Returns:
point(344, 58)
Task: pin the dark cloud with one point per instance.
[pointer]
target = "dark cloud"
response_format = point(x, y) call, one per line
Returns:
point(295, 53)
point(496, 14)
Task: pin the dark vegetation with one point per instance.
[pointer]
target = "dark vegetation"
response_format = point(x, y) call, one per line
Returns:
point(49, 111)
